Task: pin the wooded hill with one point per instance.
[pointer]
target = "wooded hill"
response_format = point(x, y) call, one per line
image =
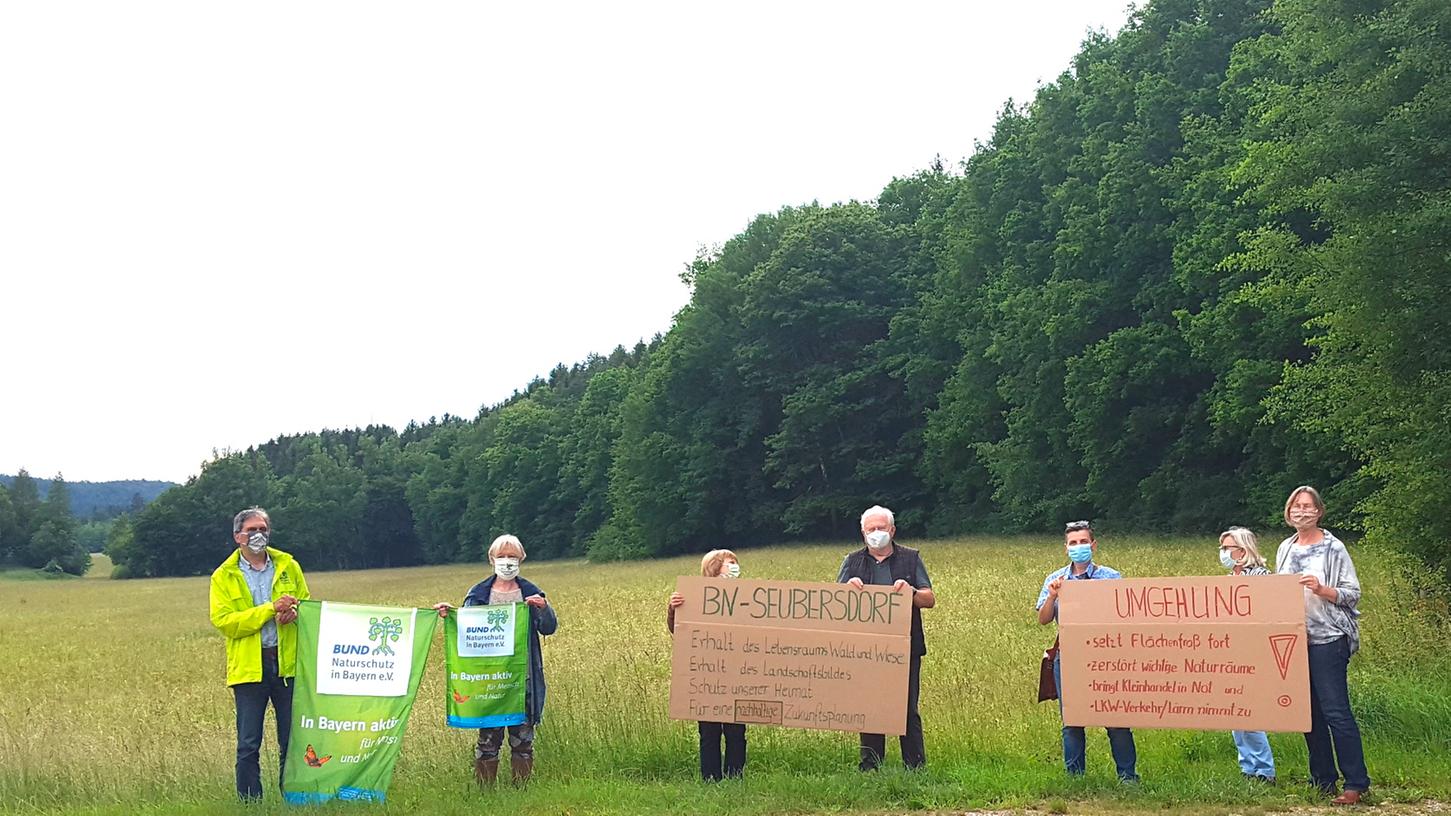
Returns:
point(1206, 264)
point(102, 500)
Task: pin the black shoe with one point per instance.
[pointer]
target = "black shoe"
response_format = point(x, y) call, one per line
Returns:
point(1261, 778)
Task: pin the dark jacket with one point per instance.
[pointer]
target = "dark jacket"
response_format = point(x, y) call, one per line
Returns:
point(903, 561)
point(542, 621)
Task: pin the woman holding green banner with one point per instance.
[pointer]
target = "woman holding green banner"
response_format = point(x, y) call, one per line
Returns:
point(506, 587)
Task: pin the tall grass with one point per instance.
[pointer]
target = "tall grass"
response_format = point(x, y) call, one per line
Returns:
point(114, 697)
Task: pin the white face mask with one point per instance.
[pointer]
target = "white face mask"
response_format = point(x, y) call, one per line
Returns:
point(878, 539)
point(257, 542)
point(1227, 560)
point(506, 568)
point(731, 569)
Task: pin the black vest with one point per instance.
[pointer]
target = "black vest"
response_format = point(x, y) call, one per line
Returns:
point(903, 562)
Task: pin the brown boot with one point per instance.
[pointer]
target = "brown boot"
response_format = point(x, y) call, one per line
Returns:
point(486, 771)
point(521, 767)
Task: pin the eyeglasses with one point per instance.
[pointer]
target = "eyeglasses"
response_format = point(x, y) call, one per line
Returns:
point(1076, 525)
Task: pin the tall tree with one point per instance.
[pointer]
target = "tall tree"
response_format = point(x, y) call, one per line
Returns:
point(188, 530)
point(25, 499)
point(1350, 138)
point(10, 541)
point(54, 544)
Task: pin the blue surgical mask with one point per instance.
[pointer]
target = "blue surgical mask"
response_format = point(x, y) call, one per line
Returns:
point(1080, 553)
point(1227, 560)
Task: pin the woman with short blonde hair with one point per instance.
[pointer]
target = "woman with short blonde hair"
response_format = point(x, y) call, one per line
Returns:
point(1239, 553)
point(715, 564)
point(715, 560)
point(497, 548)
point(1249, 561)
point(507, 586)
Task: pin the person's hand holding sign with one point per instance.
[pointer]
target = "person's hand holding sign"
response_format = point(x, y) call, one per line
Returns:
point(536, 601)
point(285, 608)
point(676, 600)
point(900, 586)
point(1313, 584)
point(1053, 587)
point(442, 607)
point(855, 582)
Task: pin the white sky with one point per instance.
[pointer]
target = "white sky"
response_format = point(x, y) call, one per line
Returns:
point(224, 222)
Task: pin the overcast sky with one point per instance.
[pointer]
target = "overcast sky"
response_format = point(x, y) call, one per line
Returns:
point(224, 222)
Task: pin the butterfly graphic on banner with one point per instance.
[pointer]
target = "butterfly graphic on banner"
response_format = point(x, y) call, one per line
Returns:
point(313, 760)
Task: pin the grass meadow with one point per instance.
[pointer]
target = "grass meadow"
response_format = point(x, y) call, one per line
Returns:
point(113, 699)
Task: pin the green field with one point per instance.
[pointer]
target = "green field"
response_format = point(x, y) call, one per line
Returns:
point(112, 698)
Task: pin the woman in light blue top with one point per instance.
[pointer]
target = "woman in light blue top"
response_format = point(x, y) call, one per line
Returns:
point(1239, 553)
point(1332, 593)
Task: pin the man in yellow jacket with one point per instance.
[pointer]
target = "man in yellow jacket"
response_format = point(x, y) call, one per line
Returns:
point(254, 599)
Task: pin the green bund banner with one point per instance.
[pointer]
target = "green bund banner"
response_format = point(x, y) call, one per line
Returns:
point(488, 665)
point(357, 674)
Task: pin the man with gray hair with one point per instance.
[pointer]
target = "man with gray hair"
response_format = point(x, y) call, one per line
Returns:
point(882, 562)
point(254, 597)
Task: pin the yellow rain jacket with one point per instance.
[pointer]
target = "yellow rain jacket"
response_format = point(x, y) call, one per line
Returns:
point(240, 620)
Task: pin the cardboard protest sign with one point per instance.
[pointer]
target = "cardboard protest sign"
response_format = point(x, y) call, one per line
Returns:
point(1207, 653)
point(803, 655)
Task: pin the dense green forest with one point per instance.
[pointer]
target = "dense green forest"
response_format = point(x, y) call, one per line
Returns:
point(1204, 265)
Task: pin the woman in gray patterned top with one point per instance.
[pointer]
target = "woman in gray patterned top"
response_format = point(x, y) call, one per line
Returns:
point(1332, 592)
point(1239, 553)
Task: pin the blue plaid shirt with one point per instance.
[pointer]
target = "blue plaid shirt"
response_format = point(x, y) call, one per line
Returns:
point(259, 581)
point(1094, 571)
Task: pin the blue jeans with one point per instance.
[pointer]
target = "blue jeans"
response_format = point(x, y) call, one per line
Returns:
point(1255, 758)
point(252, 701)
point(1075, 740)
point(1334, 736)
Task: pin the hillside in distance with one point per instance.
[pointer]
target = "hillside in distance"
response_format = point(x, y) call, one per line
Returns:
point(102, 500)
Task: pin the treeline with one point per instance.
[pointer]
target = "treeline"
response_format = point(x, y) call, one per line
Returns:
point(37, 532)
point(1206, 264)
point(103, 501)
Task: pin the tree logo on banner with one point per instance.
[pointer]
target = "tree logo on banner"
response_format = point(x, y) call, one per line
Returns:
point(384, 630)
point(497, 618)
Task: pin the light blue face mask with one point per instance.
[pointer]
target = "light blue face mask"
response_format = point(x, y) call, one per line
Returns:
point(1080, 553)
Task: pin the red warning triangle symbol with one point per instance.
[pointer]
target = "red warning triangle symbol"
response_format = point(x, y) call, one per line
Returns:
point(1283, 646)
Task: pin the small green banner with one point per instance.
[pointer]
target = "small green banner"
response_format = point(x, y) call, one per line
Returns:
point(357, 674)
point(488, 665)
